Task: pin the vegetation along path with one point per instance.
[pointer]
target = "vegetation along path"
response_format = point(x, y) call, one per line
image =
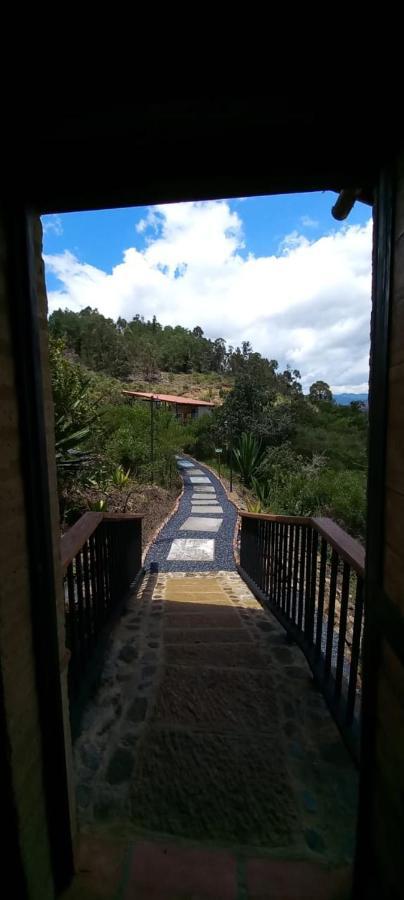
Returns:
point(208, 752)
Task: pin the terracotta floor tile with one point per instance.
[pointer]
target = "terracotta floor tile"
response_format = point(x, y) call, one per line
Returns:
point(99, 869)
point(169, 872)
point(286, 880)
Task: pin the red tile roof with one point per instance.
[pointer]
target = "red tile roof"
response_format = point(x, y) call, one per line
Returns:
point(168, 398)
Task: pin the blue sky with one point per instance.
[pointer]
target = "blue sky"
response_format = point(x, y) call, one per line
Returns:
point(278, 271)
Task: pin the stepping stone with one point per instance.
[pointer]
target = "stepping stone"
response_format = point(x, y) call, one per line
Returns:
point(184, 464)
point(192, 550)
point(196, 479)
point(198, 510)
point(199, 523)
point(205, 500)
point(205, 488)
point(196, 472)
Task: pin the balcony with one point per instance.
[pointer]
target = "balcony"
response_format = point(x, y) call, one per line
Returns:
point(223, 735)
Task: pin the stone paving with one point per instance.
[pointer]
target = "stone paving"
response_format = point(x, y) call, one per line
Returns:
point(208, 749)
point(175, 548)
point(208, 727)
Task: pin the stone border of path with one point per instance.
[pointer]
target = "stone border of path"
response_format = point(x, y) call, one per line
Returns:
point(237, 508)
point(164, 523)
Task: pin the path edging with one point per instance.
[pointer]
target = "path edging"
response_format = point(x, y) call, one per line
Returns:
point(163, 524)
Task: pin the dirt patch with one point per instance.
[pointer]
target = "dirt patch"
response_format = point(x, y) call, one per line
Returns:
point(151, 501)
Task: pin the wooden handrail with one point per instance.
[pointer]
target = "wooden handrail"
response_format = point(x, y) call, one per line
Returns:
point(348, 548)
point(78, 534)
point(121, 517)
point(271, 517)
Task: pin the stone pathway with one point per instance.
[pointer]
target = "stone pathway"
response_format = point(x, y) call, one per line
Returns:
point(208, 753)
point(199, 537)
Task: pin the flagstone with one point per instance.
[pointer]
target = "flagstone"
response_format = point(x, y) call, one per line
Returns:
point(200, 523)
point(206, 509)
point(192, 549)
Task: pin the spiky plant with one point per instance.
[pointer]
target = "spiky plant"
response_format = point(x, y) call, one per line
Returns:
point(248, 457)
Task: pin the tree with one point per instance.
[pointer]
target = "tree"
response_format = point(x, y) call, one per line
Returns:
point(320, 390)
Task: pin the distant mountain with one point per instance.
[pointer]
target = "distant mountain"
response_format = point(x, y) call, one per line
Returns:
point(345, 399)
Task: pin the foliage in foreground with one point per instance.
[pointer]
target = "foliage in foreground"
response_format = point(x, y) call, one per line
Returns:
point(102, 442)
point(313, 457)
point(299, 455)
point(288, 484)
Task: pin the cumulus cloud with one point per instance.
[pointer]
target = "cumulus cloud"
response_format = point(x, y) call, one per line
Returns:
point(308, 306)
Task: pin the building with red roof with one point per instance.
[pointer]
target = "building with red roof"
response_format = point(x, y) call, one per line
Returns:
point(184, 408)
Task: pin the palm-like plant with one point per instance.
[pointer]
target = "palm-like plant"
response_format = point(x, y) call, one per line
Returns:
point(262, 492)
point(248, 457)
point(69, 440)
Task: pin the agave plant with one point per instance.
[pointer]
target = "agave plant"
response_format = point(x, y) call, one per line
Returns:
point(254, 506)
point(263, 493)
point(248, 457)
point(68, 444)
point(120, 477)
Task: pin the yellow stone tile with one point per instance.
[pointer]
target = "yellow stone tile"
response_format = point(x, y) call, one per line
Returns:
point(195, 590)
point(187, 582)
point(193, 597)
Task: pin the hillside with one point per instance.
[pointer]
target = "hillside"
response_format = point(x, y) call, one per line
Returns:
point(345, 399)
point(211, 386)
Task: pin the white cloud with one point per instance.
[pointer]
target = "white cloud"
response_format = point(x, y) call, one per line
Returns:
point(308, 222)
point(52, 223)
point(308, 306)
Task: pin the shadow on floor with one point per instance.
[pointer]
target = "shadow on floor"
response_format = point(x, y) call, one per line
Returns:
point(212, 757)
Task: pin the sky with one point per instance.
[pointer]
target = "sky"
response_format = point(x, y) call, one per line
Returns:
point(277, 271)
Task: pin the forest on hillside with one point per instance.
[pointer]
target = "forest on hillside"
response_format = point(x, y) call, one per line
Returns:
point(294, 454)
point(126, 349)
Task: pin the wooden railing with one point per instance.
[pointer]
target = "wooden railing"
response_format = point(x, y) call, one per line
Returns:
point(309, 573)
point(101, 557)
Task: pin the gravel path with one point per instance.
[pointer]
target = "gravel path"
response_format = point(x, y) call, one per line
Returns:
point(222, 547)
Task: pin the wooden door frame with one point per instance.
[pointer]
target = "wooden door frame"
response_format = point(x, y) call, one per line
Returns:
point(365, 872)
point(24, 309)
point(22, 285)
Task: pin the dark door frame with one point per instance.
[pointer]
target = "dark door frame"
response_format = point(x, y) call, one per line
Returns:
point(28, 373)
point(33, 436)
point(366, 875)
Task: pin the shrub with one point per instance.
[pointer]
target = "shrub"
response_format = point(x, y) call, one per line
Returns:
point(248, 456)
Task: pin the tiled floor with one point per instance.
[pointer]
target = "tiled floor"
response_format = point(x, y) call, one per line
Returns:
point(209, 728)
point(109, 869)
